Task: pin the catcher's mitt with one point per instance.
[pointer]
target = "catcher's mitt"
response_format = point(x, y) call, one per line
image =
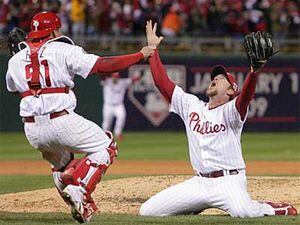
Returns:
point(15, 36)
point(259, 48)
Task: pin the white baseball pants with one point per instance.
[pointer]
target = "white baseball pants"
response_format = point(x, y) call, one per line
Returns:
point(228, 193)
point(56, 138)
point(111, 111)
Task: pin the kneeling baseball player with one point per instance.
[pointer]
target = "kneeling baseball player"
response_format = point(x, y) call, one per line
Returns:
point(214, 131)
point(42, 72)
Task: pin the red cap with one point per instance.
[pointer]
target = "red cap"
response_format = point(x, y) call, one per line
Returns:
point(217, 70)
point(43, 24)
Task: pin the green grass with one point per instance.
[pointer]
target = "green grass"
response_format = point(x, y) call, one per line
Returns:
point(271, 146)
point(11, 184)
point(14, 146)
point(20, 183)
point(108, 219)
point(168, 146)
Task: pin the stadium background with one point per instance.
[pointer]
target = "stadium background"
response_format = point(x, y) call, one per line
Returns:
point(198, 34)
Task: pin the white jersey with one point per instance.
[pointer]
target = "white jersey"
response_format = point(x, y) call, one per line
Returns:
point(59, 62)
point(113, 93)
point(213, 134)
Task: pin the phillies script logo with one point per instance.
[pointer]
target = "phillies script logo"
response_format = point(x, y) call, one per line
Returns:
point(204, 127)
point(146, 97)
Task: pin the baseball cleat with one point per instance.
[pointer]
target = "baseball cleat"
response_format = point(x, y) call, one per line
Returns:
point(81, 211)
point(283, 209)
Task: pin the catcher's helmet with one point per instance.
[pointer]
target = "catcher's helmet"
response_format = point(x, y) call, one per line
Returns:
point(43, 24)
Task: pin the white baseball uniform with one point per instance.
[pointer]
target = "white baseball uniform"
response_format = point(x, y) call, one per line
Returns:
point(214, 145)
point(113, 106)
point(56, 138)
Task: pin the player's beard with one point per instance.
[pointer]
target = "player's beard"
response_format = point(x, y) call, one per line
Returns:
point(210, 92)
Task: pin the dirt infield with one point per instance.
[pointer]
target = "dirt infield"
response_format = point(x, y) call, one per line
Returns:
point(152, 167)
point(126, 195)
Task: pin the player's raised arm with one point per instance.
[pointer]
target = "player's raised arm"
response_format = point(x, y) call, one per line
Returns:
point(112, 64)
point(259, 48)
point(247, 94)
point(160, 77)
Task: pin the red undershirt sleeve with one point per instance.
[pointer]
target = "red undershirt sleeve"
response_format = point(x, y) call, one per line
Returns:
point(247, 94)
point(160, 77)
point(113, 64)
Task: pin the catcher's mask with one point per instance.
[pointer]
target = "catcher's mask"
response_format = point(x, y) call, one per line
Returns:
point(43, 24)
point(217, 70)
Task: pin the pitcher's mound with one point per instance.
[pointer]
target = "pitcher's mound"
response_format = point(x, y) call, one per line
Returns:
point(126, 195)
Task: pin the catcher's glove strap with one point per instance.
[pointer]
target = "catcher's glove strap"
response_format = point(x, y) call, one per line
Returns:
point(30, 119)
point(219, 173)
point(46, 91)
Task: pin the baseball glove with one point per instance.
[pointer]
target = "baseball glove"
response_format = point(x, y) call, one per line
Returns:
point(259, 48)
point(15, 36)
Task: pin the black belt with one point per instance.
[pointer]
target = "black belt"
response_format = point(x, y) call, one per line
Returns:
point(219, 173)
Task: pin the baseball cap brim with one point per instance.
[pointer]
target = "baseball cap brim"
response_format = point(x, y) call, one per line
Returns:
point(39, 33)
point(218, 70)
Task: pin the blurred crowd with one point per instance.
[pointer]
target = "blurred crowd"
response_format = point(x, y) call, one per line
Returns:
point(175, 18)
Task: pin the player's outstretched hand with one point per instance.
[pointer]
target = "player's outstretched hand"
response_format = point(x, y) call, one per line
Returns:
point(152, 39)
point(147, 51)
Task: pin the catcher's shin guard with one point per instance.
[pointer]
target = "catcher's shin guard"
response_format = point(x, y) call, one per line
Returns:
point(87, 173)
point(76, 171)
point(82, 180)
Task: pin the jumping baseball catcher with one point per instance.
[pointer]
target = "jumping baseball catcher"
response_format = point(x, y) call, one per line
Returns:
point(43, 74)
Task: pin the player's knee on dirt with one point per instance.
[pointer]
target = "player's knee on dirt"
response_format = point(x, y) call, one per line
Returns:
point(145, 210)
point(148, 209)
